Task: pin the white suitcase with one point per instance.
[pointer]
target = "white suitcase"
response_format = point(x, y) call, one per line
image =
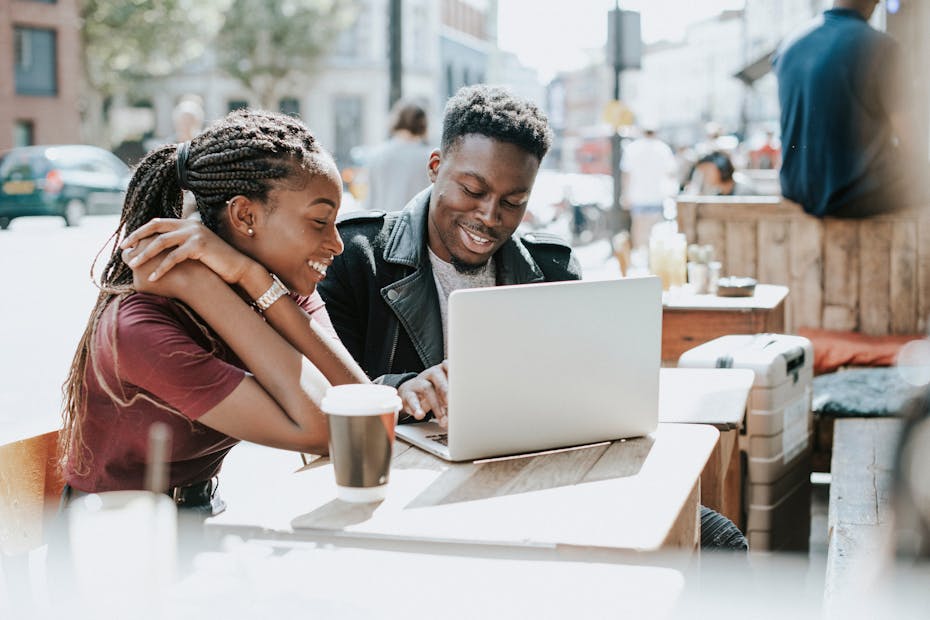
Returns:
point(780, 399)
point(776, 439)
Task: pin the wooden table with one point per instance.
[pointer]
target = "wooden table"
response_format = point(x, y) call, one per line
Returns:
point(715, 396)
point(689, 320)
point(592, 502)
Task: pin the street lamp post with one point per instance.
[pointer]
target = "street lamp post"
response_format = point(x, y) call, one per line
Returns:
point(395, 59)
point(624, 52)
point(620, 221)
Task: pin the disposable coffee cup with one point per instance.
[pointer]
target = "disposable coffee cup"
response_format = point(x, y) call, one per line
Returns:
point(361, 438)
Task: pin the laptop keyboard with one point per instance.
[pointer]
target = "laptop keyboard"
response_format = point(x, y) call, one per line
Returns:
point(442, 438)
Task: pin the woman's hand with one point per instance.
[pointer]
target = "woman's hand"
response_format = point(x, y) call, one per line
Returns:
point(191, 240)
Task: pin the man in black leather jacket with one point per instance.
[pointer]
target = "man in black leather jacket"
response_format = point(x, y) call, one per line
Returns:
point(381, 292)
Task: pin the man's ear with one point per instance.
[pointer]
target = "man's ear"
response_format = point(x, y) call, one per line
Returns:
point(242, 214)
point(435, 159)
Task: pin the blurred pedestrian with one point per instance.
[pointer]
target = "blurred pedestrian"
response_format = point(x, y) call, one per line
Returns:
point(397, 171)
point(215, 328)
point(766, 156)
point(648, 176)
point(187, 118)
point(714, 176)
point(844, 111)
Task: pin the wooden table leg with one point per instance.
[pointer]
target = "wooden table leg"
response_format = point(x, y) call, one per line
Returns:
point(720, 480)
point(686, 532)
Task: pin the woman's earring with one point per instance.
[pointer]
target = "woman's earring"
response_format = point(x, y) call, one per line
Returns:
point(251, 232)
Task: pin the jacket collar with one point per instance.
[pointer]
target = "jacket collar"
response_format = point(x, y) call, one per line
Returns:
point(407, 243)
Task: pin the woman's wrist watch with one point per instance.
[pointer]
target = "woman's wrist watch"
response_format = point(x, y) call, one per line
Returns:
point(276, 291)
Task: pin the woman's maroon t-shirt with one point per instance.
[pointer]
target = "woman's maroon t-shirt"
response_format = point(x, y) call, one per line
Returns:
point(162, 355)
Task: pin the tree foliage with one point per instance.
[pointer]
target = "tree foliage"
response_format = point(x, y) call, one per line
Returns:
point(129, 40)
point(262, 44)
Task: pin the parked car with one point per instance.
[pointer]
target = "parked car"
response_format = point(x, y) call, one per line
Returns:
point(65, 180)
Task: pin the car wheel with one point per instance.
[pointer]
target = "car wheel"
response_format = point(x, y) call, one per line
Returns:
point(4, 223)
point(74, 211)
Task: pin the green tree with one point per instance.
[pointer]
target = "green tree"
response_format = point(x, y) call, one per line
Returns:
point(263, 44)
point(126, 41)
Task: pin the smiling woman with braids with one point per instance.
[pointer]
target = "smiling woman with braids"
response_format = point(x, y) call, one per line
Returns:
point(214, 329)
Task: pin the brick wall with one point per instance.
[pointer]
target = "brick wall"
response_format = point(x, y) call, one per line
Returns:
point(55, 119)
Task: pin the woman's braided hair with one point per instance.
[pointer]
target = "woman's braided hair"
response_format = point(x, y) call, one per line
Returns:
point(247, 153)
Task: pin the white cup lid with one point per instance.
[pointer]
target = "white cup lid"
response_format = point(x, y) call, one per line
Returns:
point(361, 399)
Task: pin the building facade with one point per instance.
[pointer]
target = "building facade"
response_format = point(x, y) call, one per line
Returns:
point(576, 101)
point(465, 44)
point(345, 98)
point(684, 85)
point(40, 78)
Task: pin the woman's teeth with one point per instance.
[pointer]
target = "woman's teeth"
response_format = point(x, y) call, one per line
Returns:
point(320, 267)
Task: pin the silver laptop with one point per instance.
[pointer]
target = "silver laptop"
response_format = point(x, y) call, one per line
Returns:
point(542, 366)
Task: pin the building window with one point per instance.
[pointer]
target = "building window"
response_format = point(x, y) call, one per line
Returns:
point(34, 57)
point(348, 121)
point(289, 106)
point(419, 37)
point(349, 41)
point(24, 133)
point(236, 104)
point(450, 80)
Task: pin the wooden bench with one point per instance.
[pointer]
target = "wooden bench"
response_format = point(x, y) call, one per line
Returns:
point(860, 507)
point(870, 275)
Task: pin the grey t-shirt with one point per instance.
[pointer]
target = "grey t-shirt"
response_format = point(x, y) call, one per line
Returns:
point(449, 279)
point(397, 173)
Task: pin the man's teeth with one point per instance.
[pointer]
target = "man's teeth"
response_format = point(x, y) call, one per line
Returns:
point(318, 266)
point(477, 239)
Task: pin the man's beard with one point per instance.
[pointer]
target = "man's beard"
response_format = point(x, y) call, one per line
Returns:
point(468, 269)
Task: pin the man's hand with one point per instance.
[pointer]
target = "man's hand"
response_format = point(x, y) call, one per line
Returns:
point(174, 283)
point(428, 392)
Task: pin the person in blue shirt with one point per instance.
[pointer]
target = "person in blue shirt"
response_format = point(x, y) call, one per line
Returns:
point(844, 115)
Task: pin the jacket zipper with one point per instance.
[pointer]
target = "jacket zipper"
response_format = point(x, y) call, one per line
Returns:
point(390, 365)
point(393, 346)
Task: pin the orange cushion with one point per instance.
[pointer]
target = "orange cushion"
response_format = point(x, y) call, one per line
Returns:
point(834, 349)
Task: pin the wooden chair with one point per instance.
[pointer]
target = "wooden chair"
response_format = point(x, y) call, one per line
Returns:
point(30, 489)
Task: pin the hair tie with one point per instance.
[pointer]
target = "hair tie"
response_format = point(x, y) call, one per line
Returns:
point(183, 152)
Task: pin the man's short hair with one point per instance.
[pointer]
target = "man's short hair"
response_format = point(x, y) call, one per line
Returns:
point(498, 114)
point(722, 161)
